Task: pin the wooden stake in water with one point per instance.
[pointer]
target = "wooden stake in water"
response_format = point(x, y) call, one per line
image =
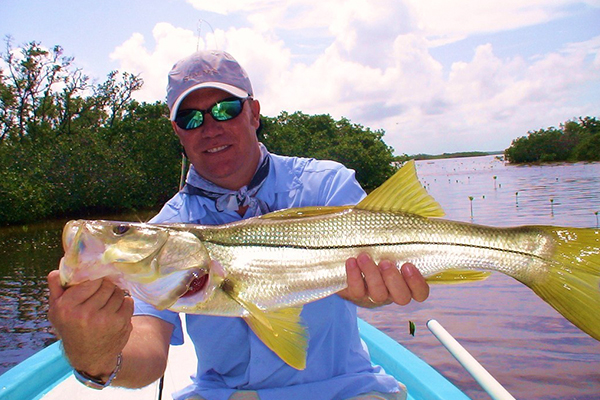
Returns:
point(473, 367)
point(597, 219)
point(471, 199)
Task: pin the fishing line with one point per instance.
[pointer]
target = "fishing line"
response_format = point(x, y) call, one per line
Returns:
point(199, 34)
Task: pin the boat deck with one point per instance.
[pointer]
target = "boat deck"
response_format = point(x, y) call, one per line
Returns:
point(47, 375)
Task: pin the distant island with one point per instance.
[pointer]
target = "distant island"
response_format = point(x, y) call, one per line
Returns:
point(572, 141)
point(576, 140)
point(463, 154)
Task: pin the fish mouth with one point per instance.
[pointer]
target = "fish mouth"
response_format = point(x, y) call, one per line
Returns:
point(198, 283)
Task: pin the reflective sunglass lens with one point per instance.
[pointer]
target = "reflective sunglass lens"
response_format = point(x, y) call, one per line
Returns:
point(189, 119)
point(226, 110)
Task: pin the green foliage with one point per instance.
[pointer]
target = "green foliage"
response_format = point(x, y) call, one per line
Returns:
point(64, 152)
point(132, 165)
point(42, 93)
point(572, 141)
point(320, 136)
point(146, 138)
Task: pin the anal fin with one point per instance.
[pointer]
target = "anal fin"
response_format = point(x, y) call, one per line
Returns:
point(280, 330)
point(455, 276)
point(285, 335)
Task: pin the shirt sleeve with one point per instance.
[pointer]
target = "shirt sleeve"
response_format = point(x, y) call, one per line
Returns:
point(343, 189)
point(337, 184)
point(144, 309)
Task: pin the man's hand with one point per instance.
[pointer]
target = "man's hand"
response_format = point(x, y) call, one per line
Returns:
point(93, 319)
point(371, 285)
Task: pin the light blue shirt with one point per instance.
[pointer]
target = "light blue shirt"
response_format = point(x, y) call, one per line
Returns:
point(230, 356)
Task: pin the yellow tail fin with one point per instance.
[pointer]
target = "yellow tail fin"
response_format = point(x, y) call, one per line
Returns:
point(572, 285)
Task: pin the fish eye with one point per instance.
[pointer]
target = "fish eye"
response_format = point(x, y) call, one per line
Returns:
point(120, 230)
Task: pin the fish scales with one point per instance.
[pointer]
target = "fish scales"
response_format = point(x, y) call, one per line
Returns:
point(287, 262)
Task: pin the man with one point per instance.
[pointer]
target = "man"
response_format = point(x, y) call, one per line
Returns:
point(233, 176)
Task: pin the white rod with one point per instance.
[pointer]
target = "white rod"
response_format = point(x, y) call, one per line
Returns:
point(473, 367)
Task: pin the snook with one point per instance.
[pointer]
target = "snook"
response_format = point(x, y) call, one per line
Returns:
point(264, 269)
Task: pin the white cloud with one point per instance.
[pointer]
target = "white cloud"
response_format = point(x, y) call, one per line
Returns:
point(440, 21)
point(134, 55)
point(374, 66)
point(489, 101)
point(443, 21)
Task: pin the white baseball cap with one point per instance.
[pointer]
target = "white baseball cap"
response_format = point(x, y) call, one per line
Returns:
point(206, 69)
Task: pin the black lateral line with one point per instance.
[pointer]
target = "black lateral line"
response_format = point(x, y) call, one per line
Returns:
point(360, 246)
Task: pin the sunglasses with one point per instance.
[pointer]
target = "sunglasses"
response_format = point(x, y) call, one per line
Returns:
point(223, 110)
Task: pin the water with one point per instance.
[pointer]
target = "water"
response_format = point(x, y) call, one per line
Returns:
point(533, 351)
point(526, 345)
point(27, 255)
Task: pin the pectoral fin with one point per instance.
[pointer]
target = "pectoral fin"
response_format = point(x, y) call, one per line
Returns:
point(255, 313)
point(454, 276)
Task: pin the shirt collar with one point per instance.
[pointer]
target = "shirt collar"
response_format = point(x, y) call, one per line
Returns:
point(282, 178)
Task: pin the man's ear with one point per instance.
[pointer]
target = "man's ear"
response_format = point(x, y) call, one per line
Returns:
point(255, 108)
point(174, 126)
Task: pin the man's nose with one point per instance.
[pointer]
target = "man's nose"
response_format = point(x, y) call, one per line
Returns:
point(211, 127)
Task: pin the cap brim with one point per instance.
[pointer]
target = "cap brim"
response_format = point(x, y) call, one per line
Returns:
point(237, 92)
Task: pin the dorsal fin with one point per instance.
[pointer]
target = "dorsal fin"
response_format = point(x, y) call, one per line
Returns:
point(402, 192)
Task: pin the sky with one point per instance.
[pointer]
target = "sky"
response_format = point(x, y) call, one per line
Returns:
point(437, 76)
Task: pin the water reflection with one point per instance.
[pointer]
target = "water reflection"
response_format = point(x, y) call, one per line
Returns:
point(504, 195)
point(26, 257)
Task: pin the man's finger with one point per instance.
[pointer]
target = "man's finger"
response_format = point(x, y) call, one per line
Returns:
point(103, 294)
point(415, 281)
point(56, 289)
point(114, 302)
point(126, 309)
point(356, 284)
point(79, 294)
point(376, 288)
point(398, 289)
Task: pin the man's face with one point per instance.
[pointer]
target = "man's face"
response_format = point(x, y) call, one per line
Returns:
point(223, 152)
